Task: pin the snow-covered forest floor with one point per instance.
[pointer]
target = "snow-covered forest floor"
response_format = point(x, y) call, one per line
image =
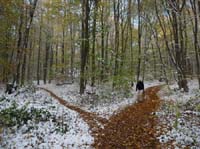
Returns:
point(180, 116)
point(33, 119)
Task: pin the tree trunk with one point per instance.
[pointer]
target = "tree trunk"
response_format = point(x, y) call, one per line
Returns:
point(51, 64)
point(178, 44)
point(19, 49)
point(139, 39)
point(154, 62)
point(63, 52)
point(130, 34)
point(56, 57)
point(102, 43)
point(46, 63)
point(39, 50)
point(84, 43)
point(195, 32)
point(94, 44)
point(177, 60)
point(116, 21)
point(31, 59)
point(26, 39)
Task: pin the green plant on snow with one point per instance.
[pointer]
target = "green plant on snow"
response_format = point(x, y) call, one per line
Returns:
point(13, 115)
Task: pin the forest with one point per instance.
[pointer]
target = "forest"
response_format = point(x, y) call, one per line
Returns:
point(88, 55)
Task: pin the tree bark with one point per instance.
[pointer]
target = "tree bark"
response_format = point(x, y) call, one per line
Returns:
point(195, 32)
point(102, 43)
point(26, 38)
point(139, 39)
point(84, 43)
point(39, 50)
point(19, 49)
point(45, 71)
point(116, 21)
point(94, 44)
point(174, 13)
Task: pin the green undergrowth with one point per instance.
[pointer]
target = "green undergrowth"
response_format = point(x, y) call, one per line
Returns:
point(15, 116)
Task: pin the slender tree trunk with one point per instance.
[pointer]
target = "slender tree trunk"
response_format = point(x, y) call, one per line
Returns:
point(124, 36)
point(94, 45)
point(51, 64)
point(46, 63)
point(122, 45)
point(72, 52)
point(163, 66)
point(195, 31)
point(116, 21)
point(185, 43)
point(63, 52)
point(5, 69)
point(28, 24)
point(39, 50)
point(139, 39)
point(102, 43)
point(31, 46)
point(144, 56)
point(19, 49)
point(47, 52)
point(56, 57)
point(154, 62)
point(24, 48)
point(130, 35)
point(84, 43)
point(106, 55)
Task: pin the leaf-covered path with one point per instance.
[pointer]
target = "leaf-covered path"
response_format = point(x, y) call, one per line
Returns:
point(93, 120)
point(133, 127)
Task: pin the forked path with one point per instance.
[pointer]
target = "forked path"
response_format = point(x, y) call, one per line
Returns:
point(93, 120)
point(133, 127)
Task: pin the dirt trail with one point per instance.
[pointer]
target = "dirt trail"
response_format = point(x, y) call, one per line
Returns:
point(93, 120)
point(133, 127)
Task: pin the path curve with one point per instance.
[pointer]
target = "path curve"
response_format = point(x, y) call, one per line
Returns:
point(133, 127)
point(93, 120)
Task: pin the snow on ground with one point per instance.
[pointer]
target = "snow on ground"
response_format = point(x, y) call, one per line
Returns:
point(48, 133)
point(104, 102)
point(180, 114)
point(45, 134)
point(172, 93)
point(64, 127)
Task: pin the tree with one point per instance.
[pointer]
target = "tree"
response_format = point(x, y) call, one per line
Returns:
point(94, 42)
point(84, 43)
point(195, 11)
point(28, 24)
point(116, 21)
point(139, 39)
point(178, 57)
point(39, 49)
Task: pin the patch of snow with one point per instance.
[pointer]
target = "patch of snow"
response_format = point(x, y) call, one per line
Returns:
point(43, 134)
point(181, 116)
point(103, 101)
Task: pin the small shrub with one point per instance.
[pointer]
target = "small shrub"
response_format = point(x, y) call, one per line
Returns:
point(62, 127)
point(40, 114)
point(13, 115)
